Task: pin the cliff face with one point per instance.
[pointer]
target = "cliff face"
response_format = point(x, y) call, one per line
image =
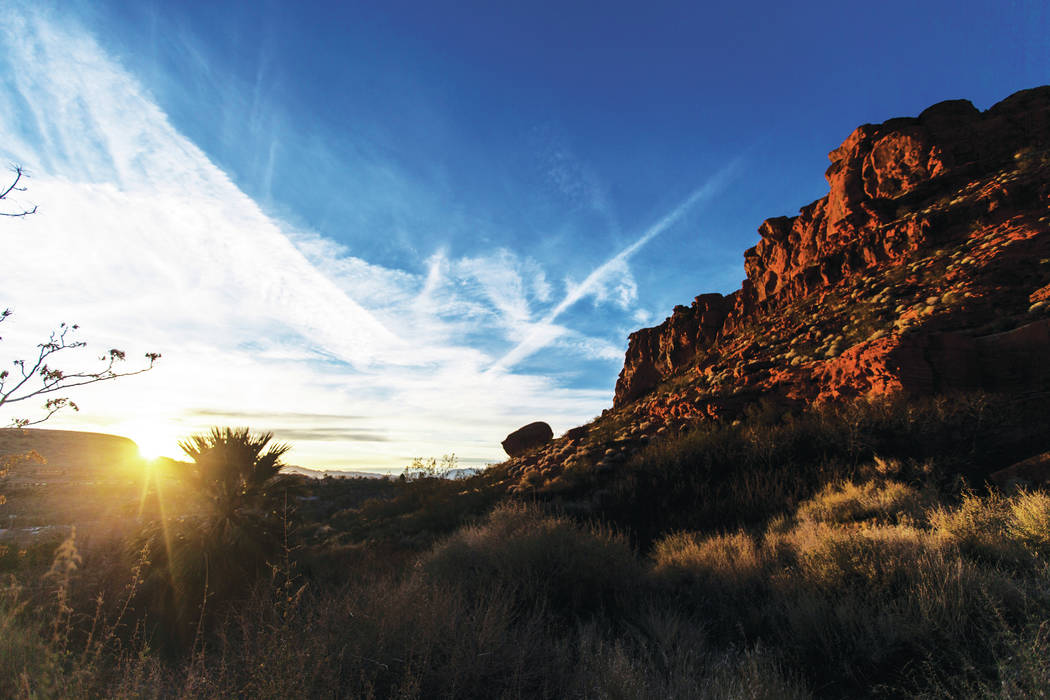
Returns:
point(925, 269)
point(944, 215)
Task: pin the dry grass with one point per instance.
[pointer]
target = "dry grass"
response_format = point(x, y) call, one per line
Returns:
point(1014, 530)
point(863, 577)
point(545, 560)
point(866, 589)
point(847, 502)
point(856, 585)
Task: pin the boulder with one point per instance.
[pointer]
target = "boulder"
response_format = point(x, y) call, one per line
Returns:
point(1034, 471)
point(577, 433)
point(527, 438)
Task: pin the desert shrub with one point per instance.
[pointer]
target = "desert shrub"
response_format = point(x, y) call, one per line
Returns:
point(863, 589)
point(546, 559)
point(1011, 530)
point(713, 571)
point(419, 638)
point(1029, 522)
point(422, 509)
point(671, 658)
point(721, 477)
point(977, 525)
point(381, 637)
point(718, 477)
point(859, 605)
point(848, 502)
point(862, 603)
point(877, 559)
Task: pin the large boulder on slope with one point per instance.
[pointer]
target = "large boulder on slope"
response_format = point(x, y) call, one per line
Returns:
point(527, 438)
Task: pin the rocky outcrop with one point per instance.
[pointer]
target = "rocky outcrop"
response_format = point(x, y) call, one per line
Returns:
point(921, 363)
point(897, 191)
point(926, 269)
point(527, 438)
point(655, 353)
point(871, 177)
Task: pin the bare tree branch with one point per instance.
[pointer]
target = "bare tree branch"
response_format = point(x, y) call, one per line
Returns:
point(41, 378)
point(19, 172)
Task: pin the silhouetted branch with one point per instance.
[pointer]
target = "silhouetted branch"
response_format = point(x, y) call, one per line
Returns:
point(41, 378)
point(13, 187)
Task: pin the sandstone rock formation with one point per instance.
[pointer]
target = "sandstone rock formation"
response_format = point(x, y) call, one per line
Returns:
point(654, 353)
point(896, 191)
point(925, 269)
point(527, 438)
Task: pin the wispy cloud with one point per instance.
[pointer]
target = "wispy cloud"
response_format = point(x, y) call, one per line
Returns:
point(338, 435)
point(150, 246)
point(615, 266)
point(278, 416)
point(574, 179)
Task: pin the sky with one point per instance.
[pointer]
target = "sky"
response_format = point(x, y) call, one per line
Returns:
point(394, 230)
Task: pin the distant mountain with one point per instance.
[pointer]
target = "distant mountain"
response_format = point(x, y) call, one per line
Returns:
point(335, 473)
point(925, 269)
point(460, 473)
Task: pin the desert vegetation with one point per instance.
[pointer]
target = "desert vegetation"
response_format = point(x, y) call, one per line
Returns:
point(831, 552)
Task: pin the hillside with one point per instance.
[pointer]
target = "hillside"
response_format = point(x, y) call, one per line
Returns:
point(57, 479)
point(925, 270)
point(67, 455)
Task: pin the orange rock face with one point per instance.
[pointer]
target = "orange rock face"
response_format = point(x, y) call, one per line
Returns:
point(655, 353)
point(925, 269)
point(933, 234)
point(873, 367)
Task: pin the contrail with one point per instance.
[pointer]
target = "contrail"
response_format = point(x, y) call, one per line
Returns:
point(540, 335)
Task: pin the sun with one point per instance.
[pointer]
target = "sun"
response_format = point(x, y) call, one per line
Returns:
point(154, 442)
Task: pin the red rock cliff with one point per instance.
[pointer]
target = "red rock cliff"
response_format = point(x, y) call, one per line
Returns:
point(897, 190)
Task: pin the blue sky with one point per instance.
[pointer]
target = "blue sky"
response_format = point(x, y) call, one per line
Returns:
point(387, 230)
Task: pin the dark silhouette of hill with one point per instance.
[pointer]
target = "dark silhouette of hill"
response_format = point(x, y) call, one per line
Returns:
point(68, 454)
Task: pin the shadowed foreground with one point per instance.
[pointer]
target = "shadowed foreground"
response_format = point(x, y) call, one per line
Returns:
point(880, 571)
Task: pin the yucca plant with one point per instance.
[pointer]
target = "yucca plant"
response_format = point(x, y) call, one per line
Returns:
point(236, 472)
point(208, 557)
point(236, 475)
